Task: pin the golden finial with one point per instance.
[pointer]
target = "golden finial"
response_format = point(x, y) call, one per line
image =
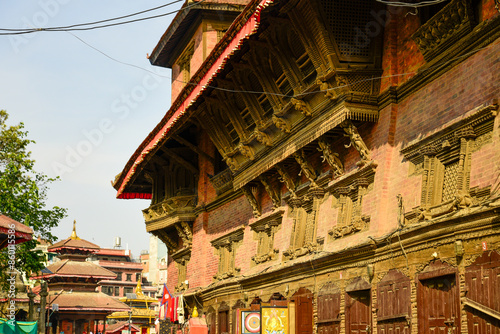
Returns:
point(195, 313)
point(138, 289)
point(73, 234)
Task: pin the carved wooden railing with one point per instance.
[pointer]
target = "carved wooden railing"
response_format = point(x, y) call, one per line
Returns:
point(449, 25)
point(222, 182)
point(173, 205)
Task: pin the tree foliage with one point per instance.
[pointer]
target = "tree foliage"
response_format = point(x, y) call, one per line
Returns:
point(23, 193)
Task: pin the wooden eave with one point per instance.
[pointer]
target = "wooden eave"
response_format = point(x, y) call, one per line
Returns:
point(243, 26)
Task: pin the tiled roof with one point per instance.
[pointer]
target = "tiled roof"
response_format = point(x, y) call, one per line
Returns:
point(119, 326)
point(73, 243)
point(86, 301)
point(113, 252)
point(78, 268)
point(6, 222)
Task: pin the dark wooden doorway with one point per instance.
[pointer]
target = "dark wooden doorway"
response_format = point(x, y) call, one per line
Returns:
point(358, 310)
point(303, 311)
point(394, 304)
point(438, 302)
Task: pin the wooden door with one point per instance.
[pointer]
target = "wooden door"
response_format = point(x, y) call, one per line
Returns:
point(303, 314)
point(358, 312)
point(329, 313)
point(394, 303)
point(482, 280)
point(438, 306)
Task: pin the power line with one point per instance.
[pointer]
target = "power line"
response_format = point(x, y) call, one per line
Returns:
point(411, 4)
point(279, 94)
point(74, 27)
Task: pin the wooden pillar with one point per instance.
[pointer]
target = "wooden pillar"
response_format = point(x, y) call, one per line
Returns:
point(74, 327)
point(104, 327)
point(57, 326)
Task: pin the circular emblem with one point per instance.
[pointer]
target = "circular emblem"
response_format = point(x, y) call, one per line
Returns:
point(252, 322)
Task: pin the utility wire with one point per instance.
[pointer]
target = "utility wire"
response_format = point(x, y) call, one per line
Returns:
point(411, 4)
point(74, 27)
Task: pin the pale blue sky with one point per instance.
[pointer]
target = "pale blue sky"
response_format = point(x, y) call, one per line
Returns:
point(86, 112)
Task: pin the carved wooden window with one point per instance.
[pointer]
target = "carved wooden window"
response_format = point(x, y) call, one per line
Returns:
point(264, 229)
point(303, 239)
point(444, 161)
point(345, 19)
point(349, 201)
point(302, 58)
point(185, 63)
point(226, 250)
point(329, 309)
point(394, 303)
point(181, 258)
point(482, 279)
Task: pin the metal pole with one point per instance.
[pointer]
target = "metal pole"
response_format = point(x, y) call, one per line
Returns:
point(130, 322)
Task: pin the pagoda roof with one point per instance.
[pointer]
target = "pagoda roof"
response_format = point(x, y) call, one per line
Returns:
point(70, 268)
point(22, 232)
point(74, 244)
point(86, 301)
point(245, 25)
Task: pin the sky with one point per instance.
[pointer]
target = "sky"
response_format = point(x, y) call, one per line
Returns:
point(88, 99)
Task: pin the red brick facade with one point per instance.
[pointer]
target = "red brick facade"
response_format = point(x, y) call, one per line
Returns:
point(416, 202)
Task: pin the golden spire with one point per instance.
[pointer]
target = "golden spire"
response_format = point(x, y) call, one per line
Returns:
point(73, 234)
point(138, 289)
point(195, 313)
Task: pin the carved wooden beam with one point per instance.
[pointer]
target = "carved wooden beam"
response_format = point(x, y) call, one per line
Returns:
point(213, 125)
point(265, 77)
point(181, 161)
point(193, 148)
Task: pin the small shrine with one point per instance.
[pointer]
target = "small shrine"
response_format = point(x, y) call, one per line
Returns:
point(141, 313)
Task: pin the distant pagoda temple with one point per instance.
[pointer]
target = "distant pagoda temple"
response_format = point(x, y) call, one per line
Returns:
point(74, 305)
point(143, 314)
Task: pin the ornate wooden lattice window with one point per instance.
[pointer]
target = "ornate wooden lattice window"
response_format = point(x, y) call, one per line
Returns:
point(444, 161)
point(348, 198)
point(329, 309)
point(344, 19)
point(394, 303)
point(225, 247)
point(264, 230)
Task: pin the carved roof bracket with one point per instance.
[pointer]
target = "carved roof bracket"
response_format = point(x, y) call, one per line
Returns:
point(356, 141)
point(332, 158)
point(305, 167)
point(273, 194)
point(250, 193)
point(287, 179)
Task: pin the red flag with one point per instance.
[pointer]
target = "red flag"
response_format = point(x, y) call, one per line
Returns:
point(165, 298)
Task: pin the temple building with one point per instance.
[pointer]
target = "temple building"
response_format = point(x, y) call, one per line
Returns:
point(329, 166)
point(74, 306)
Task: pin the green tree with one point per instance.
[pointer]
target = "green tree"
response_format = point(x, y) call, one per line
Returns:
point(23, 192)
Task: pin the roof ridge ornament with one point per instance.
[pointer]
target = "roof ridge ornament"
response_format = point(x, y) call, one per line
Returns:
point(73, 234)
